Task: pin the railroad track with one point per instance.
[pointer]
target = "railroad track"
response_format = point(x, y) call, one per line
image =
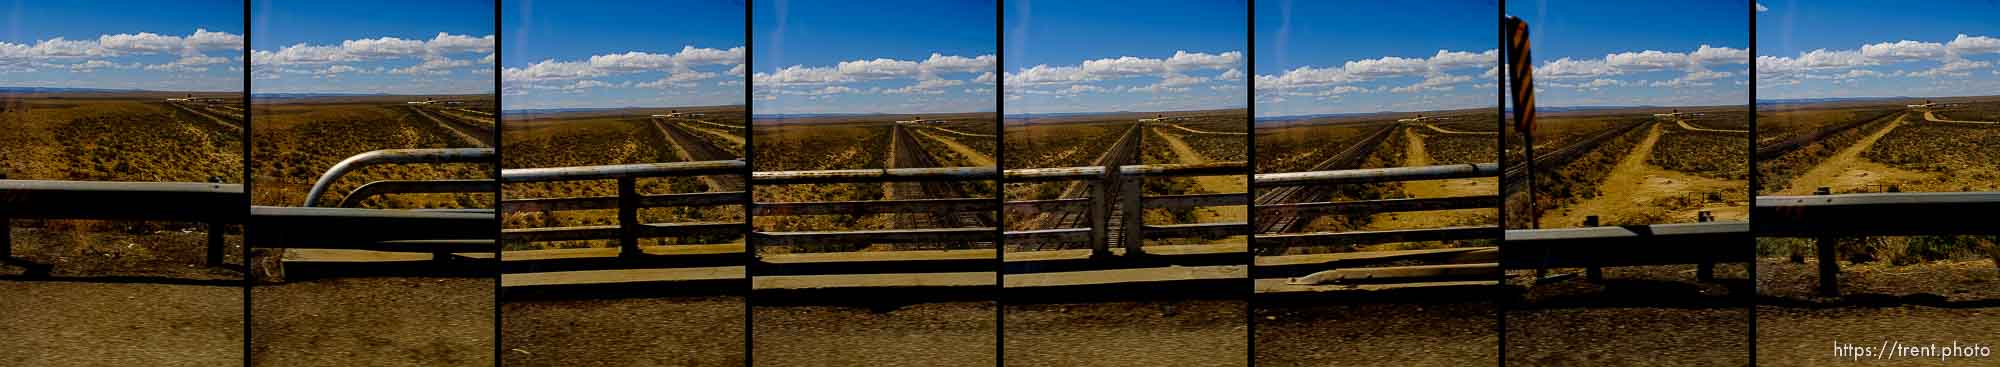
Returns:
point(474, 135)
point(1347, 159)
point(1122, 152)
point(692, 148)
point(225, 122)
point(906, 153)
point(1515, 175)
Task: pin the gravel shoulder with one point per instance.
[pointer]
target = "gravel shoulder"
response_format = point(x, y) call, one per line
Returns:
point(1920, 304)
point(926, 334)
point(385, 321)
point(56, 323)
point(1400, 334)
point(673, 331)
point(1639, 316)
point(1158, 333)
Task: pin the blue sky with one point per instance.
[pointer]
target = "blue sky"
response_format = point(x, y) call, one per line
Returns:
point(1822, 49)
point(866, 57)
point(1316, 57)
point(372, 46)
point(1661, 53)
point(599, 54)
point(1104, 56)
point(173, 46)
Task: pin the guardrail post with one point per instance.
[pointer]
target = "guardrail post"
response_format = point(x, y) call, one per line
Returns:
point(1704, 271)
point(215, 243)
point(628, 216)
point(1829, 262)
point(6, 232)
point(1135, 216)
point(1595, 273)
point(1100, 217)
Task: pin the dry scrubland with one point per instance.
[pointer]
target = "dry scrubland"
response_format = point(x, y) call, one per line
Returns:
point(1216, 136)
point(106, 137)
point(1658, 171)
point(118, 138)
point(567, 141)
point(1457, 139)
point(858, 143)
point(1883, 149)
point(293, 143)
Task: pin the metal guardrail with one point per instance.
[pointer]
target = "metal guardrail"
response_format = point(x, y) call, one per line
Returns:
point(1273, 242)
point(1133, 230)
point(397, 156)
point(919, 235)
point(214, 204)
point(1826, 218)
point(628, 202)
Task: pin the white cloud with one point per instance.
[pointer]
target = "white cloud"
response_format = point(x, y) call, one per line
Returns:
point(1904, 50)
point(1440, 82)
point(142, 43)
point(1761, 8)
point(986, 78)
point(1973, 44)
point(1231, 75)
point(202, 39)
point(1124, 67)
point(1566, 68)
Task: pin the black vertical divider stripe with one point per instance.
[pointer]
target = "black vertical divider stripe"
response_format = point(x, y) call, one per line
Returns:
point(248, 184)
point(1500, 110)
point(1250, 182)
point(1000, 183)
point(499, 124)
point(1750, 108)
point(749, 188)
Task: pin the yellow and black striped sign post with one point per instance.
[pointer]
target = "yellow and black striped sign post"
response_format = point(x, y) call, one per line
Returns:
point(1520, 78)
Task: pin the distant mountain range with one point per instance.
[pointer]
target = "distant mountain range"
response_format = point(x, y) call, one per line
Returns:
point(1770, 102)
point(67, 90)
point(809, 115)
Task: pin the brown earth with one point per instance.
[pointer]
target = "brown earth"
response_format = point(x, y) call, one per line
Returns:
point(1633, 187)
point(680, 331)
point(930, 334)
point(1179, 333)
point(56, 323)
point(1338, 334)
point(1847, 171)
point(385, 321)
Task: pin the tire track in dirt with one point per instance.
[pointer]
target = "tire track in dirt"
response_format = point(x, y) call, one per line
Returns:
point(1217, 184)
point(1846, 170)
point(978, 159)
point(1416, 155)
point(1632, 186)
point(468, 134)
point(1929, 116)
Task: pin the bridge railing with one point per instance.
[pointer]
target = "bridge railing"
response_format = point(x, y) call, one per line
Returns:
point(627, 202)
point(1128, 181)
point(438, 231)
point(1273, 243)
point(214, 204)
point(1826, 218)
point(915, 235)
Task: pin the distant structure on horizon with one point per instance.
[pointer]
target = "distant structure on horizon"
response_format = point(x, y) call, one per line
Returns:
point(919, 120)
point(1674, 114)
point(448, 102)
point(1161, 118)
point(678, 113)
point(1931, 105)
point(1422, 118)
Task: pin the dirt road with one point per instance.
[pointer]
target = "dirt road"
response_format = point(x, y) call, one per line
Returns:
point(471, 135)
point(1684, 125)
point(51, 323)
point(1415, 155)
point(1928, 116)
point(1184, 128)
point(1846, 171)
point(930, 334)
point(1434, 127)
point(1632, 187)
point(386, 321)
point(979, 159)
point(686, 331)
point(1185, 333)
